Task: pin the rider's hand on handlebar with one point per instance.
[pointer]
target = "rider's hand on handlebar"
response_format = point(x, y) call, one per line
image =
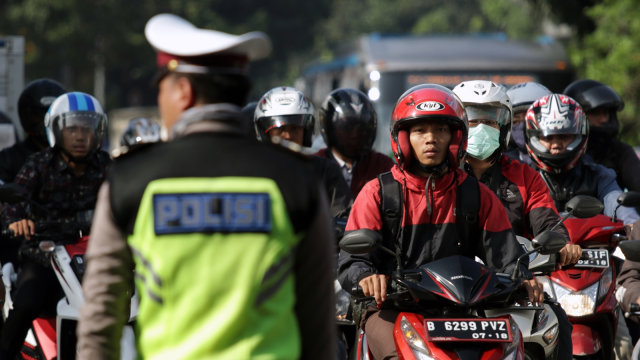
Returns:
point(376, 286)
point(24, 227)
point(535, 291)
point(570, 254)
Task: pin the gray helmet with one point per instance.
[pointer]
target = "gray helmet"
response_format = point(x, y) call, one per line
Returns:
point(524, 94)
point(282, 106)
point(140, 131)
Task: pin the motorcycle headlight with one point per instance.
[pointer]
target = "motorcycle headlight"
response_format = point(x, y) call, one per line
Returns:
point(413, 339)
point(550, 335)
point(579, 303)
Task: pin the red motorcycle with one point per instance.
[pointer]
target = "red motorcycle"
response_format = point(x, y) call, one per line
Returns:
point(445, 302)
point(586, 290)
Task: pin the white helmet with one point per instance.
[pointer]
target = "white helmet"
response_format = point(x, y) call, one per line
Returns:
point(524, 94)
point(75, 109)
point(484, 99)
point(282, 106)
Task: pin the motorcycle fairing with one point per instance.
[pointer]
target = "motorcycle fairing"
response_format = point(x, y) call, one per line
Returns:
point(458, 279)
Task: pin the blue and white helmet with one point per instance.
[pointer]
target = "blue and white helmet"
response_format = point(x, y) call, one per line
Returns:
point(75, 109)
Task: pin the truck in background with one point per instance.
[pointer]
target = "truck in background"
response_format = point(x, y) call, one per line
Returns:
point(384, 66)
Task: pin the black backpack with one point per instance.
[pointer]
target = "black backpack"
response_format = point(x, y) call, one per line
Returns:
point(392, 198)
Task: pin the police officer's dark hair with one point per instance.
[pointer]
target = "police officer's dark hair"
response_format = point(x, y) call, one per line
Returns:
point(220, 88)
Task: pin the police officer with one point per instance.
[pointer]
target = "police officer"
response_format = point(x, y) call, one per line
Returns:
point(230, 237)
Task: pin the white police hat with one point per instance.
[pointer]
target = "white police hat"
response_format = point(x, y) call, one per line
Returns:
point(182, 47)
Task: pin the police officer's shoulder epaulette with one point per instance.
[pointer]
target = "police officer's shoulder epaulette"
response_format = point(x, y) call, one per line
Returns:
point(123, 152)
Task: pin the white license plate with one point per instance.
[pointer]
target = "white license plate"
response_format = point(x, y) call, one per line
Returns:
point(597, 258)
point(483, 330)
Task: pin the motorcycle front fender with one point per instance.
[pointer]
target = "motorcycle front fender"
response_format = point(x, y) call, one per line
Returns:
point(586, 340)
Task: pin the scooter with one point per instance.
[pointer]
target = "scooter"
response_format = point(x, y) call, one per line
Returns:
point(540, 327)
point(445, 305)
point(54, 337)
point(586, 290)
point(63, 247)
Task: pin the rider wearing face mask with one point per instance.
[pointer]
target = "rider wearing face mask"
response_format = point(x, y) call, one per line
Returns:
point(520, 189)
point(429, 138)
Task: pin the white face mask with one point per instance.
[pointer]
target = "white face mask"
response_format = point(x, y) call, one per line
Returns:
point(483, 141)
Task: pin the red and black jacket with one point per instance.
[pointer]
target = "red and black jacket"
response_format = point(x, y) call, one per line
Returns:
point(429, 229)
point(525, 196)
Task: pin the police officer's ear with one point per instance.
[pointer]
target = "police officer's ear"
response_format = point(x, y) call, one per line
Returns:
point(184, 95)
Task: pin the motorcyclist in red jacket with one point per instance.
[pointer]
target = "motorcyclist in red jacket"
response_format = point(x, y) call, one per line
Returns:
point(428, 138)
point(519, 187)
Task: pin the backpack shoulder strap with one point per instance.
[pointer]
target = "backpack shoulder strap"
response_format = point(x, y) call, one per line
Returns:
point(467, 208)
point(391, 202)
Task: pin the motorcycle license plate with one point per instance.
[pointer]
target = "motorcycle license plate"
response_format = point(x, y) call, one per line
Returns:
point(483, 330)
point(598, 258)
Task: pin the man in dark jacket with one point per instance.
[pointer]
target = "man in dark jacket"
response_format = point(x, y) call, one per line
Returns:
point(601, 104)
point(284, 115)
point(33, 103)
point(64, 180)
point(348, 124)
point(428, 138)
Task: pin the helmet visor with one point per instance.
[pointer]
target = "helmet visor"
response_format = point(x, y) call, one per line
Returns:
point(600, 96)
point(88, 122)
point(484, 112)
point(266, 124)
point(84, 119)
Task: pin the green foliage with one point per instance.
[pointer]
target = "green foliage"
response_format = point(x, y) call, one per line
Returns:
point(68, 39)
point(611, 54)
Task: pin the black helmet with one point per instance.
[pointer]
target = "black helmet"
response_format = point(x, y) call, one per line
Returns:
point(33, 104)
point(591, 94)
point(348, 122)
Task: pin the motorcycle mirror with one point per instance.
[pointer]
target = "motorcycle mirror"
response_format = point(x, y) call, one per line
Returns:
point(630, 249)
point(583, 206)
point(629, 198)
point(12, 193)
point(361, 241)
point(548, 242)
point(47, 246)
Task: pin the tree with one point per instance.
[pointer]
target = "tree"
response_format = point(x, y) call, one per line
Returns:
point(610, 55)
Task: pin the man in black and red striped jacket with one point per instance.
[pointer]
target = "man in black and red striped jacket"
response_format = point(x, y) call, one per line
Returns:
point(428, 138)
